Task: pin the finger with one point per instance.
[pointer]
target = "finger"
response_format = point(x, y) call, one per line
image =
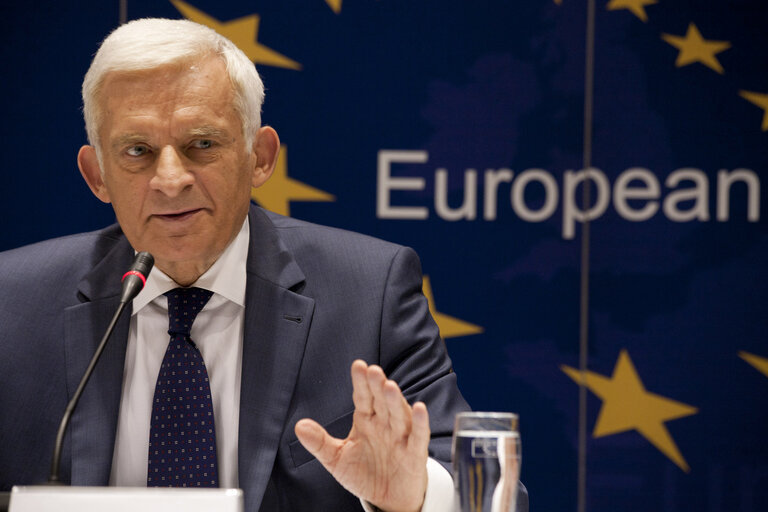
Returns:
point(418, 441)
point(361, 393)
point(318, 442)
point(399, 410)
point(376, 380)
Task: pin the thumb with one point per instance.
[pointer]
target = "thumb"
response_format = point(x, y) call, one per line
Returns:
point(317, 441)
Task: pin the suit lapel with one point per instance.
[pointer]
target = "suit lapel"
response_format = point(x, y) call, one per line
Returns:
point(276, 326)
point(94, 421)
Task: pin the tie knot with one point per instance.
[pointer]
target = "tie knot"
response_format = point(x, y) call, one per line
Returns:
point(183, 306)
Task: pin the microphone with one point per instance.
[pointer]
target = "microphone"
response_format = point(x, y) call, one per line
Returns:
point(133, 282)
point(136, 277)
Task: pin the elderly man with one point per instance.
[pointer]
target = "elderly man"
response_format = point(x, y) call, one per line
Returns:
point(275, 311)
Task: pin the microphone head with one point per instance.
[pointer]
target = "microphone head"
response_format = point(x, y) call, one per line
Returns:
point(136, 277)
point(143, 263)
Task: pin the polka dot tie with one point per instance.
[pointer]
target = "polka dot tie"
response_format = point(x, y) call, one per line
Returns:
point(182, 436)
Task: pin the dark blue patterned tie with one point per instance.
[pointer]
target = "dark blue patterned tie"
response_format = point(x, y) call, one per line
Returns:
point(182, 436)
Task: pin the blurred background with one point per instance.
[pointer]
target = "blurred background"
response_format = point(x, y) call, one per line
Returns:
point(582, 180)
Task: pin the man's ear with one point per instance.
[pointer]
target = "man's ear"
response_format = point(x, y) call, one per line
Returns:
point(266, 146)
point(91, 171)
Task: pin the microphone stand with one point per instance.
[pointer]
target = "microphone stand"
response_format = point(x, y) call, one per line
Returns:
point(53, 478)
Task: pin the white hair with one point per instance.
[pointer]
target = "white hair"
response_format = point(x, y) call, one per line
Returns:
point(150, 43)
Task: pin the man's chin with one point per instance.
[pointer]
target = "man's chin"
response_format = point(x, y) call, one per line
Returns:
point(182, 264)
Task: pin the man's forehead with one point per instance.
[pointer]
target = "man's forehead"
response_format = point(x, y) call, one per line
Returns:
point(207, 76)
point(193, 97)
point(191, 75)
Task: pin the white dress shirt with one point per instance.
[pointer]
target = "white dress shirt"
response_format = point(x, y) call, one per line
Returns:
point(218, 334)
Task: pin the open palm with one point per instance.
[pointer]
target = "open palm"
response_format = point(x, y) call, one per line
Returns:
point(383, 459)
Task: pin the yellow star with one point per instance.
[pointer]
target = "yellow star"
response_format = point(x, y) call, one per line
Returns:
point(450, 327)
point(636, 6)
point(694, 48)
point(243, 32)
point(760, 363)
point(628, 406)
point(761, 100)
point(335, 5)
point(276, 194)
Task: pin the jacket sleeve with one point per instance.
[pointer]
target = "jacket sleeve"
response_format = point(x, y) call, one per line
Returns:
point(414, 355)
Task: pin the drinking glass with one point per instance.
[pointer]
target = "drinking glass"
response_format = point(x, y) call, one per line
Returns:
point(486, 461)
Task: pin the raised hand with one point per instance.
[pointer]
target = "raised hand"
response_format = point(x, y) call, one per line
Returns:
point(383, 460)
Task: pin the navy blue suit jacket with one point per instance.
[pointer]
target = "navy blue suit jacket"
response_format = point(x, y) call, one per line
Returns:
point(317, 298)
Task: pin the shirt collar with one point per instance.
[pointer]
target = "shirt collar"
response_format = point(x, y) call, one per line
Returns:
point(226, 276)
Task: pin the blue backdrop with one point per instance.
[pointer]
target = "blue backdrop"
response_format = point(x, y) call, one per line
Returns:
point(459, 128)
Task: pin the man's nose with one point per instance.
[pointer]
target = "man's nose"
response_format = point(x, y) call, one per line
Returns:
point(171, 178)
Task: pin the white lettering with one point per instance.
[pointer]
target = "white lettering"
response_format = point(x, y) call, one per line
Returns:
point(385, 183)
point(724, 182)
point(636, 194)
point(571, 211)
point(492, 180)
point(468, 208)
point(699, 193)
point(622, 191)
point(550, 193)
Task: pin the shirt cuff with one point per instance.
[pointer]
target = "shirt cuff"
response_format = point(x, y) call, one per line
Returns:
point(439, 496)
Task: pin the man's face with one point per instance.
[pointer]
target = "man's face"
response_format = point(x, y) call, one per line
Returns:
point(176, 167)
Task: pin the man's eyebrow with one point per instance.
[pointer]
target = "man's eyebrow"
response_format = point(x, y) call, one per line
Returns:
point(128, 139)
point(209, 132)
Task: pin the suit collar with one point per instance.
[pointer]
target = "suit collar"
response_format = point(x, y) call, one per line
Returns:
point(104, 280)
point(268, 256)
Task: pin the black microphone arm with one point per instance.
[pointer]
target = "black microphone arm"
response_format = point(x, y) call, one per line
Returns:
point(133, 282)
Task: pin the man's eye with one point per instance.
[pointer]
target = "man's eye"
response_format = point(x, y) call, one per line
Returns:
point(136, 151)
point(202, 144)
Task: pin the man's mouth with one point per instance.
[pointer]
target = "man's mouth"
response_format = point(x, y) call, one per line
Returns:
point(179, 215)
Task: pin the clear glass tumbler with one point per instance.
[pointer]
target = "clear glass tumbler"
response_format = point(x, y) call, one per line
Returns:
point(486, 461)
